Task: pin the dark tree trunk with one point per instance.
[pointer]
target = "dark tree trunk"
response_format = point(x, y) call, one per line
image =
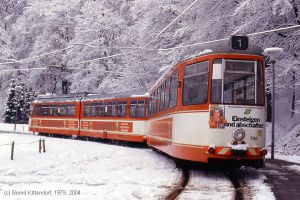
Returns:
point(293, 93)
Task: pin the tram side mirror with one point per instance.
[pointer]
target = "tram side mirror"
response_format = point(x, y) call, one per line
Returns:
point(239, 42)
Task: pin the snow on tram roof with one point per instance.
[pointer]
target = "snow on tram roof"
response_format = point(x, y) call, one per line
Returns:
point(133, 94)
point(76, 97)
point(59, 98)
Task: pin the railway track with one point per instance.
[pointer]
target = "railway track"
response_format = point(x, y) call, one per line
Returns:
point(242, 192)
point(201, 182)
point(181, 185)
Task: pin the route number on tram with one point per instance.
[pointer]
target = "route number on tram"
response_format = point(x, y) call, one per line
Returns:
point(239, 42)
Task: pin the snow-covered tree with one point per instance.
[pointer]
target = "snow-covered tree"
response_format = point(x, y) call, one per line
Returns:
point(11, 102)
point(29, 97)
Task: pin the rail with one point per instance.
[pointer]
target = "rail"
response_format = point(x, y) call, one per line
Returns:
point(180, 187)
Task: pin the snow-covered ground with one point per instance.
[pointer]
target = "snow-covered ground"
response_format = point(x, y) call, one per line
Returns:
point(255, 179)
point(103, 171)
point(23, 128)
point(96, 170)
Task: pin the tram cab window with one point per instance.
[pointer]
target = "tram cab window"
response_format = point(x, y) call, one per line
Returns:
point(237, 82)
point(216, 94)
point(195, 83)
point(71, 110)
point(122, 107)
point(137, 108)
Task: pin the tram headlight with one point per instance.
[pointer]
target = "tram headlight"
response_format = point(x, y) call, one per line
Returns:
point(238, 134)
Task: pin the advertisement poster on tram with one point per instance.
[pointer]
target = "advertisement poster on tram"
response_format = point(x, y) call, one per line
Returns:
point(236, 116)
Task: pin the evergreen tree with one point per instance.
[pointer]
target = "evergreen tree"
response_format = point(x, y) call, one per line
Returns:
point(20, 103)
point(10, 112)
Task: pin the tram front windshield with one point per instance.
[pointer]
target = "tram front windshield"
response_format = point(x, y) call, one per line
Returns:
point(237, 82)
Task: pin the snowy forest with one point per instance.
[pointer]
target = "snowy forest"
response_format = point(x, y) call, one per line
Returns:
point(45, 42)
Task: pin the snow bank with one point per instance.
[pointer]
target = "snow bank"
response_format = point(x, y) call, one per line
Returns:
point(286, 143)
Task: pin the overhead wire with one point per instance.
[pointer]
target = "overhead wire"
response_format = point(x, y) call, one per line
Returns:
point(168, 49)
point(191, 45)
point(170, 24)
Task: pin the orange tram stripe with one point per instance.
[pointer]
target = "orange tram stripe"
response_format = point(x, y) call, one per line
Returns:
point(196, 153)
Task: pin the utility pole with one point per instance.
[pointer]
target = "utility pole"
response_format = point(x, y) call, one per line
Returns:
point(273, 109)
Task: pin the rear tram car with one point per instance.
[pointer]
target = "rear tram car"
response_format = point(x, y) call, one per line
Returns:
point(54, 114)
point(117, 118)
point(207, 108)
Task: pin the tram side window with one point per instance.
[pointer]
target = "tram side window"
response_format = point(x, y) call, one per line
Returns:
point(137, 108)
point(167, 94)
point(173, 89)
point(122, 105)
point(37, 110)
point(156, 101)
point(45, 110)
point(109, 109)
point(53, 110)
point(71, 110)
point(195, 83)
point(87, 110)
point(103, 109)
point(95, 110)
point(62, 110)
point(151, 105)
point(113, 109)
point(162, 97)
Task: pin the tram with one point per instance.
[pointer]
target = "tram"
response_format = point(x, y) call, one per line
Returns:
point(209, 107)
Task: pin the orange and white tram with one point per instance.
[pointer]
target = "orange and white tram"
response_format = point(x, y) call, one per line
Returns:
point(206, 108)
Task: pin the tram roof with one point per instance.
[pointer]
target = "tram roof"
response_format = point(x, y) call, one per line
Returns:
point(88, 96)
point(218, 47)
point(59, 98)
point(133, 93)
